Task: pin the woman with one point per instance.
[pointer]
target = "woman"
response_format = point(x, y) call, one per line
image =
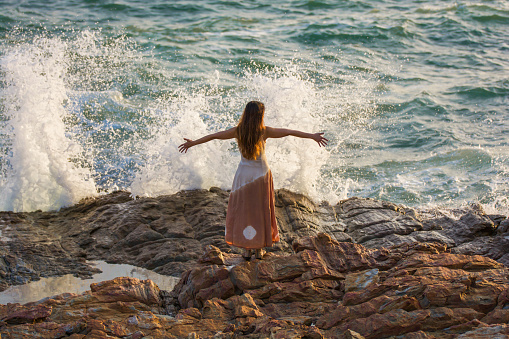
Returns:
point(250, 219)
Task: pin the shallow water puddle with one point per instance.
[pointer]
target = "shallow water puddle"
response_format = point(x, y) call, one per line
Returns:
point(47, 287)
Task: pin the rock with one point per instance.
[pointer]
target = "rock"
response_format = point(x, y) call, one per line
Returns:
point(471, 225)
point(17, 314)
point(212, 255)
point(324, 289)
point(497, 316)
point(169, 234)
point(361, 280)
point(503, 227)
point(369, 219)
point(418, 288)
point(496, 331)
point(421, 236)
point(127, 289)
point(349, 334)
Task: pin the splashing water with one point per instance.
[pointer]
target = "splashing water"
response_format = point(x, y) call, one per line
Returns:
point(290, 102)
point(86, 114)
point(37, 171)
point(67, 130)
point(412, 97)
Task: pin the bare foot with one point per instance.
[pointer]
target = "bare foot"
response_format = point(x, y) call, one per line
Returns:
point(259, 253)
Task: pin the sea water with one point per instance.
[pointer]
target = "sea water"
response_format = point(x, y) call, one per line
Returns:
point(96, 96)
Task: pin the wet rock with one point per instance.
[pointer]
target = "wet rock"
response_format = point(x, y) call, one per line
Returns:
point(127, 289)
point(469, 226)
point(494, 331)
point(503, 227)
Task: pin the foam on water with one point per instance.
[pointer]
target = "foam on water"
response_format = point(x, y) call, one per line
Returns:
point(80, 118)
point(36, 169)
point(165, 170)
point(82, 111)
point(291, 101)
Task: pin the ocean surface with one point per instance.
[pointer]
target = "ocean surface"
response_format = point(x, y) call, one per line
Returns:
point(95, 96)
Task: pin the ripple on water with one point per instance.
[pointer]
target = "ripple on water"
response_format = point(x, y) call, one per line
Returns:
point(51, 286)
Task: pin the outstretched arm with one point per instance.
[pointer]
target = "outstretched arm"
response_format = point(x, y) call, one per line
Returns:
point(284, 132)
point(227, 134)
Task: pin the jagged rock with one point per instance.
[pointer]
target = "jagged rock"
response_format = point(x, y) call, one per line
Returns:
point(127, 289)
point(470, 226)
point(168, 234)
point(360, 280)
point(420, 288)
point(497, 331)
point(17, 314)
point(370, 219)
point(323, 289)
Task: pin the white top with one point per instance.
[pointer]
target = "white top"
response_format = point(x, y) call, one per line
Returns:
point(250, 170)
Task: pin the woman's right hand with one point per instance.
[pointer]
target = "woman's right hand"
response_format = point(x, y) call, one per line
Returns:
point(318, 137)
point(185, 146)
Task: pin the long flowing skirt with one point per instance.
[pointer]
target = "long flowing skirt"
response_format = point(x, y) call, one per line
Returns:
point(250, 219)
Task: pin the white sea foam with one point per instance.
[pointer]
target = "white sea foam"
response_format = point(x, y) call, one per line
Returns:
point(36, 169)
point(165, 170)
point(70, 130)
point(291, 102)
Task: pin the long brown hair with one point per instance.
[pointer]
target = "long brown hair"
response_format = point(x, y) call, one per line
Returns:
point(250, 130)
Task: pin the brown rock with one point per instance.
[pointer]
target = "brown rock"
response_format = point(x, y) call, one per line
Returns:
point(310, 290)
point(212, 255)
point(313, 310)
point(349, 334)
point(418, 335)
point(360, 280)
point(342, 257)
point(497, 316)
point(323, 289)
point(395, 322)
point(381, 304)
point(252, 275)
point(127, 289)
point(22, 314)
point(216, 308)
point(170, 233)
point(77, 336)
point(189, 312)
point(494, 331)
point(234, 307)
point(204, 283)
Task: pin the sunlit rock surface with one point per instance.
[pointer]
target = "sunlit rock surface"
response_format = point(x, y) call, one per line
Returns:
point(322, 289)
point(168, 234)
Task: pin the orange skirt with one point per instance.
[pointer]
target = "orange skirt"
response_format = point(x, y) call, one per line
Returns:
point(250, 219)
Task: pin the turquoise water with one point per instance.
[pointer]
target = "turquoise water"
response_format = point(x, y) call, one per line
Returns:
point(97, 95)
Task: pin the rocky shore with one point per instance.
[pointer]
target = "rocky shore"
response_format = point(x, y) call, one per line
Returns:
point(361, 268)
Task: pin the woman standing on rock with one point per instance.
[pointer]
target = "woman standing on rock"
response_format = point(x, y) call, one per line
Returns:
point(250, 219)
